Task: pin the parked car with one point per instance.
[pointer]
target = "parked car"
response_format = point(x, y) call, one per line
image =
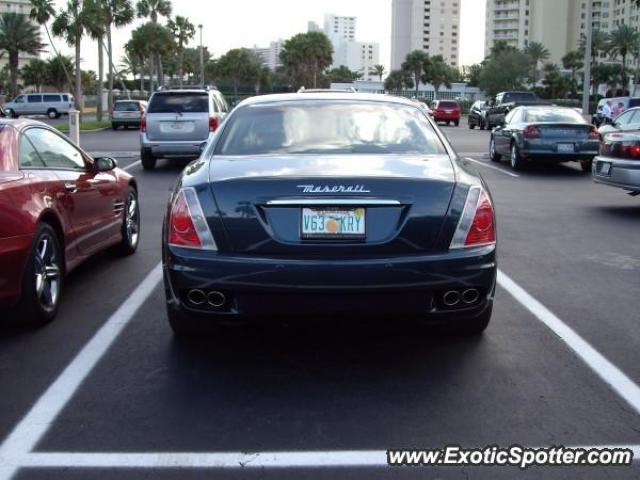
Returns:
point(446, 111)
point(58, 206)
point(626, 122)
point(127, 113)
point(333, 205)
point(504, 102)
point(477, 115)
point(53, 105)
point(618, 106)
point(547, 133)
point(179, 123)
point(618, 164)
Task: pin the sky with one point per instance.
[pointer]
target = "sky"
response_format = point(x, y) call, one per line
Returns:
point(245, 23)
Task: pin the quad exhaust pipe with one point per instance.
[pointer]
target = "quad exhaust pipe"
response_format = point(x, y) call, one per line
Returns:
point(216, 299)
point(453, 298)
point(196, 296)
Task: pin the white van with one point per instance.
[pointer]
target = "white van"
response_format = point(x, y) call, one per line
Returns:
point(50, 104)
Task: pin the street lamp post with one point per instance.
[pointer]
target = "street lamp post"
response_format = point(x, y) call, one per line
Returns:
point(201, 58)
point(586, 88)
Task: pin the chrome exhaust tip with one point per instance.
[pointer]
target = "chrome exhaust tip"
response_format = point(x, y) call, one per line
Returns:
point(470, 296)
point(216, 299)
point(451, 298)
point(196, 296)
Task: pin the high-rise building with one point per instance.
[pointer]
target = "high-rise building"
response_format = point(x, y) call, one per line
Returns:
point(270, 55)
point(429, 25)
point(557, 24)
point(355, 55)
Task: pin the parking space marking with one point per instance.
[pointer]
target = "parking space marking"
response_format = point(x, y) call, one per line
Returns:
point(26, 434)
point(607, 371)
point(485, 164)
point(227, 460)
point(134, 164)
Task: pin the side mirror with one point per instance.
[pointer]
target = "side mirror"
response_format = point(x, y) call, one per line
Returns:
point(105, 164)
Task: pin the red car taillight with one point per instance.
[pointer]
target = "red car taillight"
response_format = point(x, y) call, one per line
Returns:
point(214, 123)
point(531, 131)
point(143, 123)
point(477, 222)
point(593, 133)
point(187, 224)
point(628, 150)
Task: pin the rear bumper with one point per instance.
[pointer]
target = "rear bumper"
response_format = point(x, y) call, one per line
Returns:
point(623, 174)
point(173, 148)
point(409, 286)
point(537, 149)
point(126, 120)
point(443, 117)
point(13, 254)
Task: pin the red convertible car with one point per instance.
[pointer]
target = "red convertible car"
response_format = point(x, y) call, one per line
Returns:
point(58, 206)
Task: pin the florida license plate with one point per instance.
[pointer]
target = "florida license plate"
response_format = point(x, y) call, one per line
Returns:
point(566, 148)
point(604, 168)
point(333, 223)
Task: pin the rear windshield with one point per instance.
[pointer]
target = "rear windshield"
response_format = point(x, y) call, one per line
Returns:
point(329, 127)
point(519, 97)
point(126, 107)
point(179, 103)
point(447, 104)
point(561, 115)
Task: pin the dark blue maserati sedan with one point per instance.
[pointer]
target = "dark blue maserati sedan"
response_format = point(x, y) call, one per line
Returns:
point(329, 206)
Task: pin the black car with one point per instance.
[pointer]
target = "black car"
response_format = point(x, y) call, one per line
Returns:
point(541, 133)
point(477, 115)
point(329, 206)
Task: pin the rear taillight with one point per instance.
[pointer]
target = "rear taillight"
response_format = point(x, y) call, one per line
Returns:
point(620, 149)
point(214, 123)
point(531, 131)
point(187, 224)
point(477, 222)
point(143, 123)
point(593, 133)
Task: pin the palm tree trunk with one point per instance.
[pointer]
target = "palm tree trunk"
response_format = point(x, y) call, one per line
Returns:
point(141, 75)
point(78, 89)
point(110, 55)
point(160, 71)
point(100, 84)
point(416, 77)
point(151, 72)
point(14, 60)
point(624, 74)
point(181, 67)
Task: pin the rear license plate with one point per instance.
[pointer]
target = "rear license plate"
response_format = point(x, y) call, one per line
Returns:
point(566, 148)
point(177, 126)
point(333, 223)
point(604, 168)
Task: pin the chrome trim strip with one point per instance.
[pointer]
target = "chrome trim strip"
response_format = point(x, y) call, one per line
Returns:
point(332, 201)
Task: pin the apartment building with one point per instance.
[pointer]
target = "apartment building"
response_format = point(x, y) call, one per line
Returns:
point(270, 55)
point(429, 25)
point(356, 55)
point(557, 24)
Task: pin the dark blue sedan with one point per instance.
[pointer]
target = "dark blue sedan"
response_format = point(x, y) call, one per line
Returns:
point(544, 133)
point(329, 206)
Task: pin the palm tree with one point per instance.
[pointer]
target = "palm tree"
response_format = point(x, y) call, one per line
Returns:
point(537, 52)
point(59, 70)
point(96, 28)
point(71, 24)
point(116, 13)
point(415, 64)
point(18, 35)
point(599, 42)
point(378, 70)
point(35, 73)
point(137, 50)
point(573, 61)
point(183, 31)
point(153, 9)
point(437, 74)
point(41, 12)
point(623, 41)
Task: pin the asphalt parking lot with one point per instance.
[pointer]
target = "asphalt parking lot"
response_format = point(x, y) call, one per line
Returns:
point(106, 391)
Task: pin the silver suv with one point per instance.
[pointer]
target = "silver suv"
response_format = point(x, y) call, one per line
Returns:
point(179, 123)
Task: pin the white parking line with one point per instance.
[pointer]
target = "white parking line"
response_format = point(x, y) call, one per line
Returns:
point(26, 434)
point(485, 164)
point(607, 371)
point(228, 460)
point(134, 164)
